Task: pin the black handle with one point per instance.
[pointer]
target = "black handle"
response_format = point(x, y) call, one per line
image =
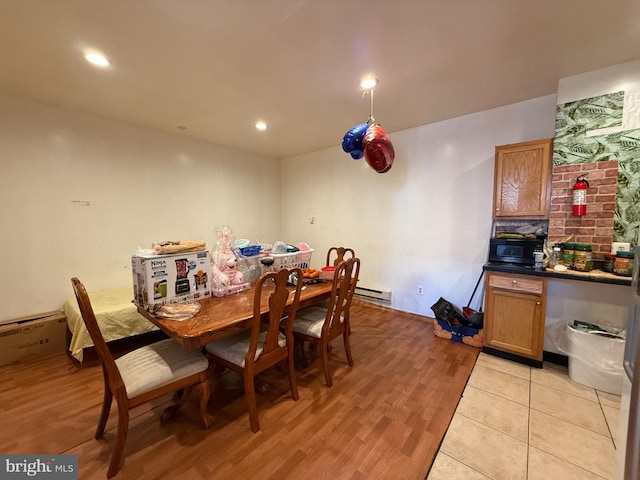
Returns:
point(476, 288)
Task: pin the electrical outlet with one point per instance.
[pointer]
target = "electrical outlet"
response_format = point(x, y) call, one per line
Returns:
point(420, 290)
point(312, 220)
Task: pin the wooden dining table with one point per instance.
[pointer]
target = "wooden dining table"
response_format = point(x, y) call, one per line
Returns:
point(222, 316)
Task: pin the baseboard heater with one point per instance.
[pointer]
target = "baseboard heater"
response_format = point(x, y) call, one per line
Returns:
point(372, 294)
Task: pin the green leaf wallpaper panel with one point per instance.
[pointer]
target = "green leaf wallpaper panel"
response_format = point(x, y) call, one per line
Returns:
point(574, 119)
point(627, 215)
point(573, 146)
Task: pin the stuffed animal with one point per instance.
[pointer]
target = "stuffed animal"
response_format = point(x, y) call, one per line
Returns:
point(225, 277)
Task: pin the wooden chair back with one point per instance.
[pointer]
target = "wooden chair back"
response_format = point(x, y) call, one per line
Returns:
point(355, 274)
point(109, 367)
point(340, 252)
point(272, 352)
point(344, 283)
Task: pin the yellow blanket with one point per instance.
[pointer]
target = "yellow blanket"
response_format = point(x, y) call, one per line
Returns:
point(117, 317)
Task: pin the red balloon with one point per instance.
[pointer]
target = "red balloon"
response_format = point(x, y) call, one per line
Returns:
point(378, 149)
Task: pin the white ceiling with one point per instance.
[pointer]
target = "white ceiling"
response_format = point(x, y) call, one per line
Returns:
point(217, 66)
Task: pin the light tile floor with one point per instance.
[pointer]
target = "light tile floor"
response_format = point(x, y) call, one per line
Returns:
point(520, 423)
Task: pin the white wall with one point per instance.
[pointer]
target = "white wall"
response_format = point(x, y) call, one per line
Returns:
point(623, 76)
point(141, 187)
point(425, 222)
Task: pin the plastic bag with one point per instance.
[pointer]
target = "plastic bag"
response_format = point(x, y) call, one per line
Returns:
point(448, 312)
point(169, 247)
point(178, 311)
point(225, 277)
point(601, 347)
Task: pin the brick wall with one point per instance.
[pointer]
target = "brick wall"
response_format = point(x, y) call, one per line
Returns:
point(596, 227)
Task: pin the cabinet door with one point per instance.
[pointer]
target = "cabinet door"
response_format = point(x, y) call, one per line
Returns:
point(514, 317)
point(522, 179)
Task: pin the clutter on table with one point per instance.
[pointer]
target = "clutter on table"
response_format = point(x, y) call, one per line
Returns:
point(181, 272)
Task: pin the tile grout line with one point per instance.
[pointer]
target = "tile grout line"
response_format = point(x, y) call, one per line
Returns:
point(606, 421)
point(582, 467)
point(491, 427)
point(467, 465)
point(568, 393)
point(496, 393)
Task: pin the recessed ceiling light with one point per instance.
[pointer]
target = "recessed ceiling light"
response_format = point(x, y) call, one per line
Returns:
point(261, 126)
point(97, 59)
point(369, 83)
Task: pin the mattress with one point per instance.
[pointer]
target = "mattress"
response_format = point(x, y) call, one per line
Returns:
point(116, 314)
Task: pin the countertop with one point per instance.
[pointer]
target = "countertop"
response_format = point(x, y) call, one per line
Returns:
point(597, 276)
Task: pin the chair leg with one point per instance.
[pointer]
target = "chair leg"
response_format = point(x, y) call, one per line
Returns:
point(104, 414)
point(347, 347)
point(179, 398)
point(121, 437)
point(250, 393)
point(325, 363)
point(292, 377)
point(299, 357)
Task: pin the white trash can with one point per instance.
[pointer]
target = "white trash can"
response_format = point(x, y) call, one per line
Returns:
point(595, 359)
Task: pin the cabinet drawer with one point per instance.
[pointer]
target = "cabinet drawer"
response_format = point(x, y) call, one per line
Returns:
point(517, 284)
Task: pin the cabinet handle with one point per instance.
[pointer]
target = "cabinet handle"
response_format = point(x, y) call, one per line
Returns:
point(514, 281)
point(537, 303)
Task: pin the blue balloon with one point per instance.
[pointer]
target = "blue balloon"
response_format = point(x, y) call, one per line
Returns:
point(352, 141)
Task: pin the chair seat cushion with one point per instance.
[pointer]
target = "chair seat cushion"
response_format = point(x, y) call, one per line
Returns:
point(235, 347)
point(309, 321)
point(158, 364)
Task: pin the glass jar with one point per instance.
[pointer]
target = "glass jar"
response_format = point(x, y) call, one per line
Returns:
point(538, 258)
point(555, 257)
point(609, 260)
point(623, 264)
point(582, 260)
point(567, 256)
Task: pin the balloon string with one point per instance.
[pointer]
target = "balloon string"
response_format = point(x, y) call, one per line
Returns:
point(371, 116)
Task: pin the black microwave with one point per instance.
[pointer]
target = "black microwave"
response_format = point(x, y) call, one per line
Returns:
point(514, 250)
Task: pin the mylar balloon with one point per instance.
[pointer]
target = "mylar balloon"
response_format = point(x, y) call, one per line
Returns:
point(352, 141)
point(378, 149)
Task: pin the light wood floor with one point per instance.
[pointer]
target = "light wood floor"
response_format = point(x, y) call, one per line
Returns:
point(384, 418)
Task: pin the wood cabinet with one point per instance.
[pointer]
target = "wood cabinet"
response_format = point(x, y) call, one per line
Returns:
point(522, 180)
point(514, 315)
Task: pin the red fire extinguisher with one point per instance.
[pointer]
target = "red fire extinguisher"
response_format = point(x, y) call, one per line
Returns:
point(580, 196)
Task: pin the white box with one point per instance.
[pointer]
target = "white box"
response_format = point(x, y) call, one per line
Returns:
point(162, 279)
point(32, 337)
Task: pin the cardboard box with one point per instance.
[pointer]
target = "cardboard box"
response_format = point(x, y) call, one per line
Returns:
point(33, 337)
point(162, 279)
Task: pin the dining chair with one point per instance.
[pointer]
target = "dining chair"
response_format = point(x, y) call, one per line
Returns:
point(142, 375)
point(320, 326)
point(340, 252)
point(264, 345)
